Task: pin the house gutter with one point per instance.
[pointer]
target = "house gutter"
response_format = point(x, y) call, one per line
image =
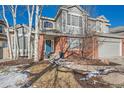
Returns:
point(109, 36)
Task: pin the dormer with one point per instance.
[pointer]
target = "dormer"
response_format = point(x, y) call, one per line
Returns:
point(102, 18)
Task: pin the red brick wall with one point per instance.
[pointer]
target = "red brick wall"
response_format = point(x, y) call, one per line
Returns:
point(61, 44)
point(90, 50)
point(95, 47)
point(41, 47)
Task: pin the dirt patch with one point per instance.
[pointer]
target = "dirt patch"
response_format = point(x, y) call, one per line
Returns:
point(51, 76)
point(16, 62)
point(57, 78)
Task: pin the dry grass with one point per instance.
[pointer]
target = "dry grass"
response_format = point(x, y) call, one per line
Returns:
point(45, 75)
point(37, 68)
point(57, 78)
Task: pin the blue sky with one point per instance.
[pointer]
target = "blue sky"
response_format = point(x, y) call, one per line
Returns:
point(114, 13)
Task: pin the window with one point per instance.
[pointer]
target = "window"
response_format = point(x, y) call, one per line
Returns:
point(21, 42)
point(64, 18)
point(74, 43)
point(12, 41)
point(68, 19)
point(74, 20)
point(80, 21)
point(25, 42)
point(48, 24)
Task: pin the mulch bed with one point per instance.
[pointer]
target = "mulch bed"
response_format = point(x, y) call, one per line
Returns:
point(16, 62)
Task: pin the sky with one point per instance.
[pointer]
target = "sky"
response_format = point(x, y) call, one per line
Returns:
point(114, 13)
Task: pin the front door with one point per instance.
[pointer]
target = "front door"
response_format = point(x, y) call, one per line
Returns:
point(48, 48)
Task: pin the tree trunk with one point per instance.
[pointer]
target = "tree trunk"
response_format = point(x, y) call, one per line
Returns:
point(7, 33)
point(36, 58)
point(9, 43)
point(30, 17)
point(16, 42)
point(16, 56)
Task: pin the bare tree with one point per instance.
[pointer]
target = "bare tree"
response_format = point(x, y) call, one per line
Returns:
point(38, 14)
point(7, 31)
point(30, 10)
point(13, 9)
point(88, 32)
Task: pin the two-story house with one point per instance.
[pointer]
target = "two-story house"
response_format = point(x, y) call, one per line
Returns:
point(66, 30)
point(3, 41)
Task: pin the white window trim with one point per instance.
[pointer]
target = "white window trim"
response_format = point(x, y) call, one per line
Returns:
point(48, 27)
point(71, 14)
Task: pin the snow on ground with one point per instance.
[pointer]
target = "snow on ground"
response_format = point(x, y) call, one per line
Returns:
point(12, 77)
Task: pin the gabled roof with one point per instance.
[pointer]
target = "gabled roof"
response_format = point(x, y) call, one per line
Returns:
point(102, 18)
point(66, 7)
point(70, 6)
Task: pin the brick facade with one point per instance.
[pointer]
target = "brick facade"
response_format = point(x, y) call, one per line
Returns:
point(41, 47)
point(61, 44)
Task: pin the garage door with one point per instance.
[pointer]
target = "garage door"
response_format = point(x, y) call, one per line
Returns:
point(1, 52)
point(109, 47)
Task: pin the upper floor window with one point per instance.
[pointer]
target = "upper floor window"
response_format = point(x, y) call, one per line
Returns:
point(68, 19)
point(74, 20)
point(48, 24)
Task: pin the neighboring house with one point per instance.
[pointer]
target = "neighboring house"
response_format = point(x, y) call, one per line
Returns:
point(67, 29)
point(3, 42)
point(22, 31)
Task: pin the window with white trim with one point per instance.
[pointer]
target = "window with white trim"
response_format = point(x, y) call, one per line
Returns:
point(68, 19)
point(74, 43)
point(74, 20)
point(48, 24)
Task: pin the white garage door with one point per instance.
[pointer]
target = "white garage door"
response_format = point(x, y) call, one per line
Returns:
point(109, 47)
